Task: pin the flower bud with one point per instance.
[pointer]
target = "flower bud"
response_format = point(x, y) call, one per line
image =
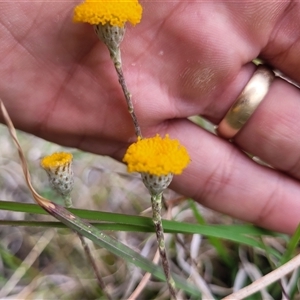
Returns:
point(59, 169)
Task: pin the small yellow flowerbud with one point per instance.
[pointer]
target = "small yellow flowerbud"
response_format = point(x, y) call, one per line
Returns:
point(109, 18)
point(59, 169)
point(157, 160)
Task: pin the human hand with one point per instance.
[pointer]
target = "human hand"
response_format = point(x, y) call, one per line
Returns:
point(183, 59)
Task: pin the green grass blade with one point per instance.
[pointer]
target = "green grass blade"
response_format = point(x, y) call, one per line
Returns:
point(56, 224)
point(171, 226)
point(22, 207)
point(291, 247)
point(113, 245)
point(82, 213)
point(243, 234)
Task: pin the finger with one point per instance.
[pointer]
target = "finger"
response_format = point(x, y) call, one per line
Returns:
point(282, 49)
point(272, 132)
point(225, 179)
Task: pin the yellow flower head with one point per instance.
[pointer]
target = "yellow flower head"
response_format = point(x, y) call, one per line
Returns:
point(116, 12)
point(55, 160)
point(59, 169)
point(157, 156)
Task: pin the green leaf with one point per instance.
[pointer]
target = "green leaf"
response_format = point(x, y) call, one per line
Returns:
point(291, 247)
point(242, 234)
point(114, 246)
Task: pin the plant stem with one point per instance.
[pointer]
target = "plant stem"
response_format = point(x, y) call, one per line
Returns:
point(116, 58)
point(88, 253)
point(112, 37)
point(68, 201)
point(156, 201)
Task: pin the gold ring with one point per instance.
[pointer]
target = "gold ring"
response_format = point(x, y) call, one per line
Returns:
point(246, 103)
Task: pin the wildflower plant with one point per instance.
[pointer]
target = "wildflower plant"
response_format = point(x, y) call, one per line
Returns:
point(60, 173)
point(61, 177)
point(109, 19)
point(157, 160)
point(76, 223)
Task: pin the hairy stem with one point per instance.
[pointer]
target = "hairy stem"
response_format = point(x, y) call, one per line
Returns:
point(156, 201)
point(116, 58)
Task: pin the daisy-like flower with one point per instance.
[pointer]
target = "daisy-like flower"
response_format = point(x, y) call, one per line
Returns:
point(157, 159)
point(116, 13)
point(109, 18)
point(59, 169)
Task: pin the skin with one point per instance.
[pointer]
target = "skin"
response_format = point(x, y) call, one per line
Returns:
point(183, 59)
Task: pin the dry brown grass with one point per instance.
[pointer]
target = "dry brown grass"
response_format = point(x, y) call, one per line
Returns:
point(39, 263)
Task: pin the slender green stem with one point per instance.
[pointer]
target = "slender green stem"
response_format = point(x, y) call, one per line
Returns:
point(88, 253)
point(156, 201)
point(68, 201)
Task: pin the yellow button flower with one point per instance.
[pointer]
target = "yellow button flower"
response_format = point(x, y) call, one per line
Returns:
point(59, 169)
point(56, 159)
point(157, 156)
point(116, 13)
